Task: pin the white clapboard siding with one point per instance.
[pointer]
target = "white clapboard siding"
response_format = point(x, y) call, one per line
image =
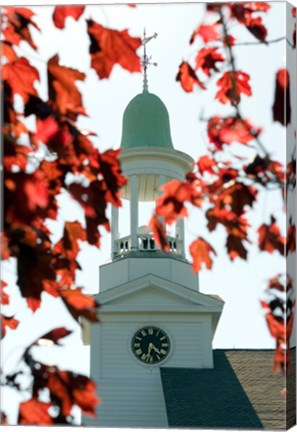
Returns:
point(132, 403)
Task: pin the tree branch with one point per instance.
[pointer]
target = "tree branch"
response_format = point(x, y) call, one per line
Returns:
point(233, 68)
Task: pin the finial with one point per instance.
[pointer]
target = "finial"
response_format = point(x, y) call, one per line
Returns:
point(146, 61)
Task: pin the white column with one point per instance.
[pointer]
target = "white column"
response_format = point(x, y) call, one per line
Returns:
point(180, 235)
point(114, 229)
point(161, 182)
point(134, 211)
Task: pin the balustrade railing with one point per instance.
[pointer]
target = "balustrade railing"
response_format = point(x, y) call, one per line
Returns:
point(146, 242)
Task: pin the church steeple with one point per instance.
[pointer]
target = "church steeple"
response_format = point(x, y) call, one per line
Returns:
point(149, 160)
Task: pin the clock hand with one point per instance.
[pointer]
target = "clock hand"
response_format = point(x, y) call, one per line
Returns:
point(148, 355)
point(155, 349)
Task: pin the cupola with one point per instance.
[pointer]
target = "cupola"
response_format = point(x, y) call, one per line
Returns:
point(146, 123)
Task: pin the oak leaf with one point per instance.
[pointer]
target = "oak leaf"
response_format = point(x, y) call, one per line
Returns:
point(110, 47)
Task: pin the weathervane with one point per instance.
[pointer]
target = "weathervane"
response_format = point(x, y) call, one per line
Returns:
point(146, 61)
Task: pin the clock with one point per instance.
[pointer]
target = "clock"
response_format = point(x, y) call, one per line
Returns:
point(150, 345)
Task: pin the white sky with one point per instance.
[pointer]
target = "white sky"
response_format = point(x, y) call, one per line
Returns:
point(240, 284)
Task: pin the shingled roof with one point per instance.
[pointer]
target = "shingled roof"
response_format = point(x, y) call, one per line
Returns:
point(241, 391)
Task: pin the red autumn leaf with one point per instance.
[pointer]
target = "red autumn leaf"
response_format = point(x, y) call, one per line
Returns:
point(73, 389)
point(235, 226)
point(282, 102)
point(62, 88)
point(229, 130)
point(278, 283)
point(4, 246)
point(25, 194)
point(294, 12)
point(131, 5)
point(68, 245)
point(15, 155)
point(114, 180)
point(207, 32)
point(171, 205)
point(53, 336)
point(256, 27)
point(4, 298)
point(232, 84)
point(206, 164)
point(291, 238)
point(17, 28)
point(110, 47)
point(159, 233)
point(79, 304)
point(20, 76)
point(7, 51)
point(34, 264)
point(237, 196)
point(3, 419)
point(93, 201)
point(206, 60)
point(270, 238)
point(201, 253)
point(229, 40)
point(10, 322)
point(243, 12)
point(235, 248)
point(62, 12)
point(264, 170)
point(187, 77)
point(35, 412)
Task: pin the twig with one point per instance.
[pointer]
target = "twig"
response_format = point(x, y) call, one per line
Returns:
point(233, 68)
point(279, 39)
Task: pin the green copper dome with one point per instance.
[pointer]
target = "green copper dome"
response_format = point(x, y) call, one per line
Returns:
point(146, 123)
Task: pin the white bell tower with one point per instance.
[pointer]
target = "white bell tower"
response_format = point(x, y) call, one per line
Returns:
point(152, 313)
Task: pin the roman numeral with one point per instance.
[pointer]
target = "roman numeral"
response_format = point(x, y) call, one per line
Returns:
point(162, 338)
point(150, 331)
point(138, 352)
point(165, 345)
point(143, 332)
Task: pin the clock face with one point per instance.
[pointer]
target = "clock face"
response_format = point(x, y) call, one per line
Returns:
point(150, 345)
